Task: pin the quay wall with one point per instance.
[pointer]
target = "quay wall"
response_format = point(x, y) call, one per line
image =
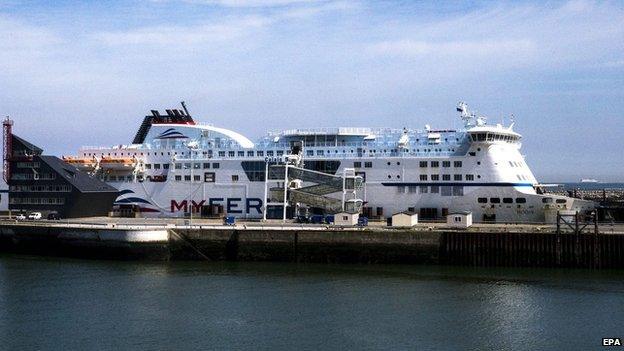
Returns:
point(86, 241)
point(323, 245)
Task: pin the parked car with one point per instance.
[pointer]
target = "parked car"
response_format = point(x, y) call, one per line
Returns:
point(34, 215)
point(53, 216)
point(20, 217)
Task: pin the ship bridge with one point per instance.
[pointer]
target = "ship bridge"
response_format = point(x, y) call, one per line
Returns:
point(494, 134)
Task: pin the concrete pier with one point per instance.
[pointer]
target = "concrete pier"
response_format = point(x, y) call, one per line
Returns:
point(494, 245)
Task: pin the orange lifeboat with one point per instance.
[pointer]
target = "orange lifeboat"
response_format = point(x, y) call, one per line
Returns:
point(117, 163)
point(82, 163)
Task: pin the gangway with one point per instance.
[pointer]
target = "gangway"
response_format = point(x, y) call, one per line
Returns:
point(296, 185)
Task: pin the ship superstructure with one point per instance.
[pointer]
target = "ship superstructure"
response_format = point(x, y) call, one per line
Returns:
point(176, 165)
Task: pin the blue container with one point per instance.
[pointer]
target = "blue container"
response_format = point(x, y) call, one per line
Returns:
point(316, 219)
point(229, 220)
point(329, 219)
point(362, 221)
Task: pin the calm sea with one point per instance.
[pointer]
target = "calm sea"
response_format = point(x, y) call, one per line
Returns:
point(67, 304)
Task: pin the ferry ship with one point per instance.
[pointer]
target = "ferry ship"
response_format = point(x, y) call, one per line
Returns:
point(175, 165)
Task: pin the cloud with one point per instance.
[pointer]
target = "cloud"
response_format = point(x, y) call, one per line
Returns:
point(254, 3)
point(484, 48)
point(185, 35)
point(509, 35)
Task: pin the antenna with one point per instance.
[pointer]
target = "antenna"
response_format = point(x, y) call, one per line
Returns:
point(465, 114)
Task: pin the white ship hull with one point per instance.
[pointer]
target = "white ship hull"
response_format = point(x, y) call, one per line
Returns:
point(480, 169)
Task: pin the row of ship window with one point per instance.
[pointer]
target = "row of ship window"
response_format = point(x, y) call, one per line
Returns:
point(445, 177)
point(422, 164)
point(209, 177)
point(204, 165)
point(260, 153)
point(444, 190)
point(497, 200)
point(519, 200)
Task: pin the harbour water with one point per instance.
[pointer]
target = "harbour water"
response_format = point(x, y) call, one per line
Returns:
point(67, 304)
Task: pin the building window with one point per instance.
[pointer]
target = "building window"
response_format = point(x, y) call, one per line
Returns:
point(435, 189)
point(148, 166)
point(178, 166)
point(482, 200)
point(165, 166)
point(269, 153)
point(197, 165)
point(495, 200)
point(423, 189)
point(446, 164)
point(368, 164)
point(446, 177)
point(206, 165)
point(435, 164)
point(423, 177)
point(187, 166)
point(423, 164)
point(469, 177)
point(357, 164)
point(235, 177)
point(250, 153)
point(411, 189)
point(435, 177)
point(196, 178)
point(178, 178)
point(216, 165)
point(231, 153)
point(260, 153)
point(457, 177)
point(507, 200)
point(457, 164)
point(520, 200)
point(187, 178)
point(156, 165)
point(209, 177)
point(241, 154)
point(221, 153)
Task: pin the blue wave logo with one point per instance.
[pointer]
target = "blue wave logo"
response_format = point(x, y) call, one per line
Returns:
point(130, 200)
point(171, 133)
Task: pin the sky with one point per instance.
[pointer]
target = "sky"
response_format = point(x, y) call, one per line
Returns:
point(75, 74)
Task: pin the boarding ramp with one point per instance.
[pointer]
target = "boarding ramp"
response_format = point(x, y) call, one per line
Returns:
point(313, 188)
